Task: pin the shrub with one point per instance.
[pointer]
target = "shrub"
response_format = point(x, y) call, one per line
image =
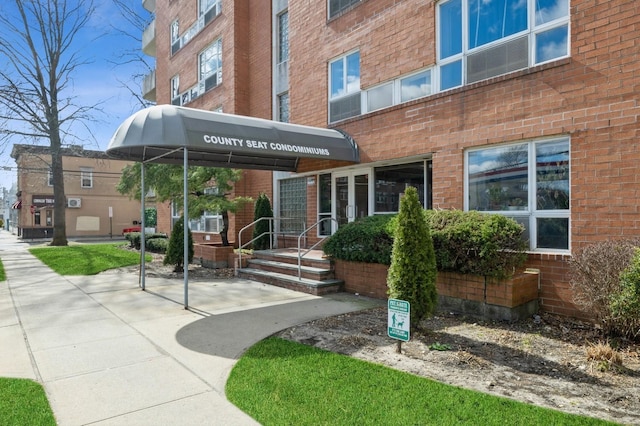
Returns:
point(367, 240)
point(595, 279)
point(477, 243)
point(625, 305)
point(158, 245)
point(134, 239)
point(261, 229)
point(412, 274)
point(175, 249)
point(464, 242)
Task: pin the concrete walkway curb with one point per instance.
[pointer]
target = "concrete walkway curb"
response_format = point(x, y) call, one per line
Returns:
point(108, 353)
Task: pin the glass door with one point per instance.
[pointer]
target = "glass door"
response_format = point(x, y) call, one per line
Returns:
point(350, 196)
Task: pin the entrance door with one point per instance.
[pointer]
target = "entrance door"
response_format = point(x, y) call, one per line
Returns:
point(350, 195)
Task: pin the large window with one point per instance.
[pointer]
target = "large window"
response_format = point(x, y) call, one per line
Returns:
point(528, 181)
point(479, 39)
point(344, 82)
point(210, 65)
point(283, 107)
point(207, 11)
point(391, 182)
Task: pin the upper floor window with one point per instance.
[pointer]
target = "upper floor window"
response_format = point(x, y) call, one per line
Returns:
point(480, 39)
point(344, 83)
point(210, 65)
point(337, 6)
point(283, 37)
point(86, 177)
point(527, 181)
point(49, 177)
point(175, 90)
point(207, 10)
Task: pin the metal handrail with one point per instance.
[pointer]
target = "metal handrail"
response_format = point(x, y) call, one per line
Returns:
point(304, 234)
point(271, 232)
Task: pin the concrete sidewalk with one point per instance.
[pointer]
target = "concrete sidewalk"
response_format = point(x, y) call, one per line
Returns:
point(109, 353)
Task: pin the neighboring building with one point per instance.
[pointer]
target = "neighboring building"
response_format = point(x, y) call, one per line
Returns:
point(516, 107)
point(94, 207)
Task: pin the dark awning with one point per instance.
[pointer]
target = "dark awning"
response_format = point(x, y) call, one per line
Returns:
point(17, 205)
point(213, 139)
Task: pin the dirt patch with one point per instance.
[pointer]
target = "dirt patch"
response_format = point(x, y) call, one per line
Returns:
point(541, 361)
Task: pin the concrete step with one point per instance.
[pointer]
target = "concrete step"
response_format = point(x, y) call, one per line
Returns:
point(305, 285)
point(310, 272)
point(313, 259)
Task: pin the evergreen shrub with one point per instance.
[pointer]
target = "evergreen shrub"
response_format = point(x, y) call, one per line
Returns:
point(175, 250)
point(367, 240)
point(261, 229)
point(625, 305)
point(464, 242)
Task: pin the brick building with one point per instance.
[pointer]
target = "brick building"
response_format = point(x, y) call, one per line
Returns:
point(94, 207)
point(517, 107)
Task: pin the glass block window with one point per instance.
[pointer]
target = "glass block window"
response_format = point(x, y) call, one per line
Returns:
point(293, 205)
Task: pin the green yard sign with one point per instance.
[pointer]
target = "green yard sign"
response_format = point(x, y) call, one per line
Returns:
point(398, 319)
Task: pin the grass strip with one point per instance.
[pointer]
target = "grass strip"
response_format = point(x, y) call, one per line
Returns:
point(282, 382)
point(24, 402)
point(3, 276)
point(86, 259)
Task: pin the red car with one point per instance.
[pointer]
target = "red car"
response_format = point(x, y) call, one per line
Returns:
point(132, 229)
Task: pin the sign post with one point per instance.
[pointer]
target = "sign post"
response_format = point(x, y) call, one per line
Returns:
point(398, 319)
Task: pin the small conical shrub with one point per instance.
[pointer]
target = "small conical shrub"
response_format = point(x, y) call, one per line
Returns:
point(412, 274)
point(262, 209)
point(175, 250)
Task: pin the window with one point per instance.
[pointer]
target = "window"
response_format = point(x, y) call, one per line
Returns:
point(283, 37)
point(337, 6)
point(528, 181)
point(283, 107)
point(415, 86)
point(210, 66)
point(175, 90)
point(209, 9)
point(293, 205)
point(479, 39)
point(175, 37)
point(86, 177)
point(49, 177)
point(391, 181)
point(324, 203)
point(344, 82)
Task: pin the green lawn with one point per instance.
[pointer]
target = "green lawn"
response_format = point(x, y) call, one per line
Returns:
point(86, 259)
point(281, 382)
point(23, 402)
point(2, 274)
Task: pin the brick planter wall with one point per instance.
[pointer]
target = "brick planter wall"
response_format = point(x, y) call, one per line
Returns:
point(212, 256)
point(466, 294)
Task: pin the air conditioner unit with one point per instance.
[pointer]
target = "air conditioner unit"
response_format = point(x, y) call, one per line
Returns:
point(74, 203)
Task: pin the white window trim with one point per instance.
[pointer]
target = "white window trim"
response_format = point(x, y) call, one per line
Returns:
point(86, 173)
point(533, 213)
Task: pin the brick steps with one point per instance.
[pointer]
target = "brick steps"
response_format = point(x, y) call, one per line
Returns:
point(280, 268)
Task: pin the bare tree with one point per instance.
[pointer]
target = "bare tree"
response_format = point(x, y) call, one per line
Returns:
point(131, 26)
point(37, 50)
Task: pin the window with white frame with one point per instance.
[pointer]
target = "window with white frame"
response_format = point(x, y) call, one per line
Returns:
point(175, 37)
point(86, 177)
point(528, 181)
point(337, 6)
point(210, 66)
point(344, 83)
point(480, 39)
point(209, 9)
point(293, 205)
point(49, 177)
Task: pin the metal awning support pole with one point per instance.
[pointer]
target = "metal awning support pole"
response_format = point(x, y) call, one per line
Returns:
point(142, 226)
point(185, 212)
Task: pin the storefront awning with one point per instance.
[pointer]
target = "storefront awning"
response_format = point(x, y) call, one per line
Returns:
point(17, 205)
point(160, 133)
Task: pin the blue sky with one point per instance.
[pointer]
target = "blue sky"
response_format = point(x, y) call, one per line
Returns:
point(96, 82)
